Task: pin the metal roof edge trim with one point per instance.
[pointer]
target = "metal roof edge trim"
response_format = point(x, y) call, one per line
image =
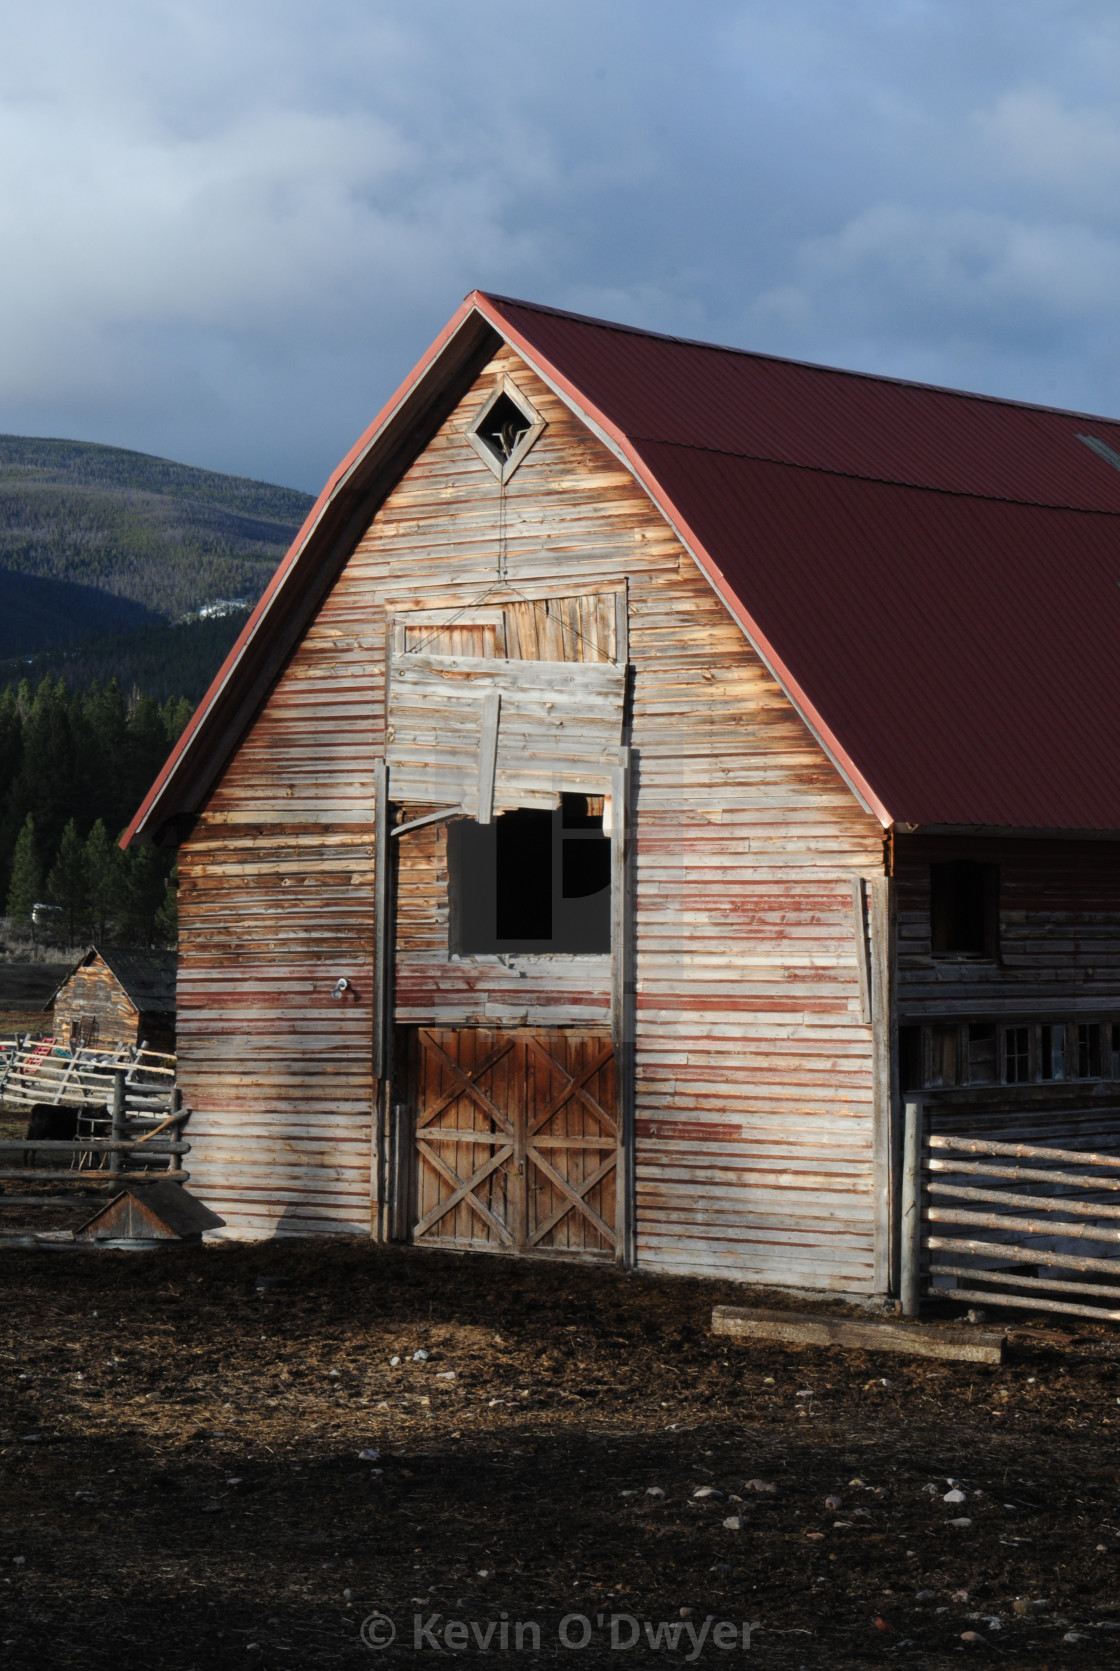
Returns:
point(621, 445)
point(148, 812)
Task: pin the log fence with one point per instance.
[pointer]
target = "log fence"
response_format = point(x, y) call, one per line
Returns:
point(129, 1121)
point(1009, 1224)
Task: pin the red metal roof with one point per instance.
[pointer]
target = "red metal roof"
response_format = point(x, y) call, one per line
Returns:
point(933, 576)
point(725, 400)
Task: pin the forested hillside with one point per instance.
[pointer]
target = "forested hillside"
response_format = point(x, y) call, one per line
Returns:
point(162, 661)
point(159, 535)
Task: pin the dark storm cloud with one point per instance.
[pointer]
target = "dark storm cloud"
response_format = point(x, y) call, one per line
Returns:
point(228, 230)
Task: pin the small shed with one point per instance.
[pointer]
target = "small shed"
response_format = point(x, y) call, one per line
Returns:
point(651, 762)
point(114, 997)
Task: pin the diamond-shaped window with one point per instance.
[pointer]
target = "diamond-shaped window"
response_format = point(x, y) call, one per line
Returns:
point(505, 429)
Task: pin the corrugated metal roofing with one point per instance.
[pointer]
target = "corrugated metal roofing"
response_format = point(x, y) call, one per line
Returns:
point(934, 576)
point(688, 394)
point(938, 572)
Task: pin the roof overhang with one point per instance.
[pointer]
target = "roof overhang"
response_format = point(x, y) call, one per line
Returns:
point(342, 514)
point(334, 525)
point(989, 832)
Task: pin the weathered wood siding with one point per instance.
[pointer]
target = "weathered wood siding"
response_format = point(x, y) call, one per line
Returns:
point(94, 992)
point(1059, 931)
point(754, 1068)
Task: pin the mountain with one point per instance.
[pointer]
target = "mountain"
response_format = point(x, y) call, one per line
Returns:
point(108, 556)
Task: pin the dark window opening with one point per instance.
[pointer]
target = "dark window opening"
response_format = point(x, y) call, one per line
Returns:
point(911, 1073)
point(1017, 1055)
point(964, 909)
point(939, 1055)
point(523, 876)
point(1089, 1050)
point(943, 1055)
point(83, 1031)
point(503, 428)
point(532, 881)
point(1053, 1051)
point(586, 868)
point(982, 1064)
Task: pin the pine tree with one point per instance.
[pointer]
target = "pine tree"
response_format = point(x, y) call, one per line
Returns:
point(51, 780)
point(145, 873)
point(104, 868)
point(68, 882)
point(104, 715)
point(27, 876)
point(145, 752)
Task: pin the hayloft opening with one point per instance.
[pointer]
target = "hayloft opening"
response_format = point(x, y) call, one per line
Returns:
point(964, 909)
point(532, 881)
point(503, 428)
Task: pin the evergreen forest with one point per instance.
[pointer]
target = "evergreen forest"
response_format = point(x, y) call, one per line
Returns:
point(74, 767)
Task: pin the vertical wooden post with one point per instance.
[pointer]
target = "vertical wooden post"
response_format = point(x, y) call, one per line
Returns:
point(622, 1006)
point(911, 1236)
point(380, 1165)
point(884, 1180)
point(488, 754)
point(176, 1162)
point(118, 1128)
point(863, 959)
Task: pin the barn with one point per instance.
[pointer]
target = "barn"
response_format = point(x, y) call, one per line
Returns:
point(650, 761)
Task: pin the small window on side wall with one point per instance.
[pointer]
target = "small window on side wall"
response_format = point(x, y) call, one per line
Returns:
point(964, 909)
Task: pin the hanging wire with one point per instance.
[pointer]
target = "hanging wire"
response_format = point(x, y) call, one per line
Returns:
point(503, 583)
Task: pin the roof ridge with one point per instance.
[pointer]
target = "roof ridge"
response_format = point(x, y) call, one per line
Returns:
point(878, 481)
point(804, 365)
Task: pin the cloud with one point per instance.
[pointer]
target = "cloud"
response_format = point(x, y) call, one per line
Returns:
point(922, 273)
point(1050, 145)
point(229, 230)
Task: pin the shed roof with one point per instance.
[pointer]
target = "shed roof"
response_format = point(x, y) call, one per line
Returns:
point(933, 576)
point(146, 977)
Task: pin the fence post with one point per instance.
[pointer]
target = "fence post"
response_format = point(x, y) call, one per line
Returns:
point(911, 1236)
point(119, 1124)
point(175, 1164)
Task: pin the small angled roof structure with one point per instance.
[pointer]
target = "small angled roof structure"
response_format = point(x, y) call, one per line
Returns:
point(932, 576)
point(161, 1211)
point(146, 977)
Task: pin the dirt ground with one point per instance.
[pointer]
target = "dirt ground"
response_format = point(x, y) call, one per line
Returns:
point(183, 1483)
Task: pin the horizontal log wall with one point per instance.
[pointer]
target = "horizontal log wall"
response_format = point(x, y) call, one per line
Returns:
point(754, 1083)
point(94, 992)
point(1059, 932)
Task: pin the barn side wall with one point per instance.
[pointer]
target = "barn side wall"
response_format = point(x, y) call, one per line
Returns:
point(754, 1069)
point(1059, 931)
point(95, 991)
point(1023, 1041)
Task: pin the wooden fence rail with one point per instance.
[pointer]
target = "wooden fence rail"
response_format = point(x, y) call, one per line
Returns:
point(1018, 1242)
point(129, 1117)
point(44, 1071)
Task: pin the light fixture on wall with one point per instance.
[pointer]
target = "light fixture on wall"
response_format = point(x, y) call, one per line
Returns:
point(341, 985)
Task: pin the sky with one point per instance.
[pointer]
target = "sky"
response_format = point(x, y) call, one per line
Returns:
point(228, 230)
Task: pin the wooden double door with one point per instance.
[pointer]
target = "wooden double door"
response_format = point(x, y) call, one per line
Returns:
point(515, 1141)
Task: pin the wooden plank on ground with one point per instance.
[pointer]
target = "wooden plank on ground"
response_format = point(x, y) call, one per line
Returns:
point(866, 1335)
